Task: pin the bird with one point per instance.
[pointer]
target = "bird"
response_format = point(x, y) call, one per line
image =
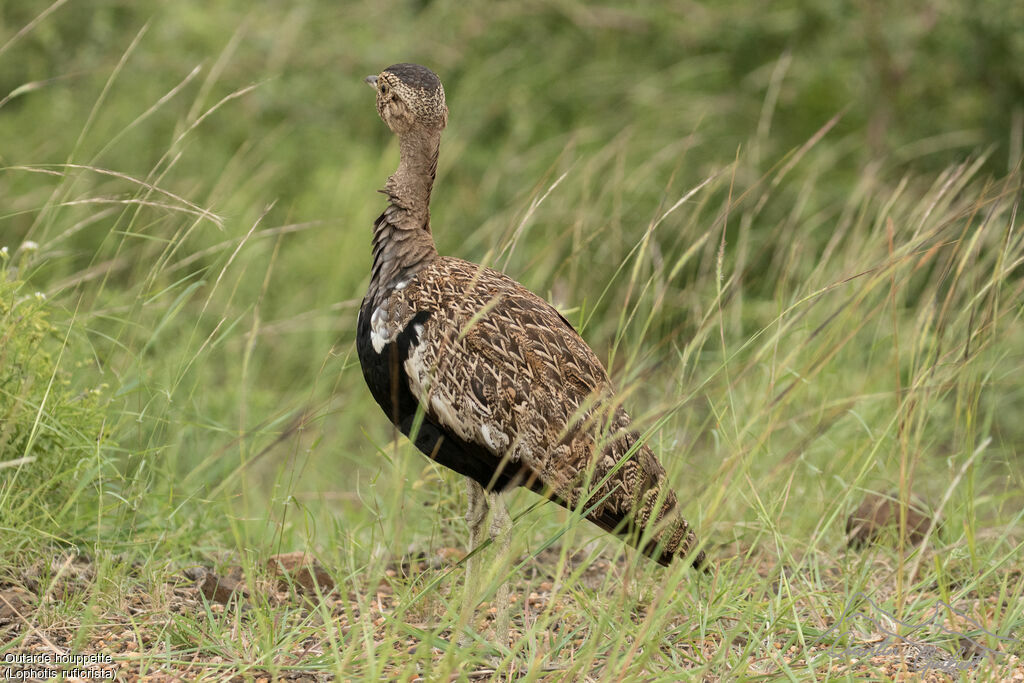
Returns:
point(486, 377)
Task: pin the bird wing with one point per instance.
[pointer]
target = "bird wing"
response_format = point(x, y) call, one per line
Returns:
point(499, 368)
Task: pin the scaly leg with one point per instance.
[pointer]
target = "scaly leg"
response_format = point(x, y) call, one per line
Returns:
point(501, 528)
point(476, 516)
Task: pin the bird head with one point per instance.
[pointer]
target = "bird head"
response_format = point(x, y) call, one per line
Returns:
point(410, 98)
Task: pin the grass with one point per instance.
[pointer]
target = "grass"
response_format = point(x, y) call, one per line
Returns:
point(803, 275)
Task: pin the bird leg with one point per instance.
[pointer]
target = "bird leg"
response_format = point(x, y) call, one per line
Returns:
point(500, 534)
point(476, 517)
point(501, 528)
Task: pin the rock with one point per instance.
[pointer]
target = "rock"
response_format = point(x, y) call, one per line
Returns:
point(301, 570)
point(878, 512)
point(192, 574)
point(220, 588)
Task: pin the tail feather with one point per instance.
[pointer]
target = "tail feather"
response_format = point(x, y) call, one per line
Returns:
point(631, 514)
point(672, 538)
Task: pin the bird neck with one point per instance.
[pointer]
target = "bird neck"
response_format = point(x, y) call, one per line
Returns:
point(409, 187)
point(402, 243)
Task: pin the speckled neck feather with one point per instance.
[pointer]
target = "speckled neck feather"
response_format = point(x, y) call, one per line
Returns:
point(402, 243)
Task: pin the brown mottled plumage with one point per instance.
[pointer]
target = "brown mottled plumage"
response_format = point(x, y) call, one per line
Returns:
point(510, 393)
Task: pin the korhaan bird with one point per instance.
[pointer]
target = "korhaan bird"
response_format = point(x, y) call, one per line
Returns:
point(489, 379)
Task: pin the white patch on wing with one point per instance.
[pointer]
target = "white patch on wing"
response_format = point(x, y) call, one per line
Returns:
point(378, 330)
point(446, 414)
point(494, 438)
point(418, 373)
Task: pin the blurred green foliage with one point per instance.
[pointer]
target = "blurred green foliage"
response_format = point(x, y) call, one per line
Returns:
point(525, 76)
point(52, 439)
point(535, 86)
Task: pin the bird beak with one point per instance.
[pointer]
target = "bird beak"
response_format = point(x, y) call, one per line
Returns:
point(371, 81)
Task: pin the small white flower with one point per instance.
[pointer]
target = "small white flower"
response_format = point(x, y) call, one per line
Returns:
point(29, 245)
point(3, 252)
point(40, 296)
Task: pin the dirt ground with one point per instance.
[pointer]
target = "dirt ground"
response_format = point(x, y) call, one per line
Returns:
point(127, 641)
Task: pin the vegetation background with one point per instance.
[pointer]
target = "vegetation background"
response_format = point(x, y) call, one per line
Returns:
point(187, 191)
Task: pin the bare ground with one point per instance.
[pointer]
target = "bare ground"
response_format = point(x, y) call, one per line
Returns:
point(142, 634)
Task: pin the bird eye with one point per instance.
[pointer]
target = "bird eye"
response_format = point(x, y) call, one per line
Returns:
point(384, 89)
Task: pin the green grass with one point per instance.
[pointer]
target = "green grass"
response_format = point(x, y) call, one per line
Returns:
point(798, 251)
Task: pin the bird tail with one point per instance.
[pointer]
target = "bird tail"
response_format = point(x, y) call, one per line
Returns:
point(657, 528)
point(633, 501)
